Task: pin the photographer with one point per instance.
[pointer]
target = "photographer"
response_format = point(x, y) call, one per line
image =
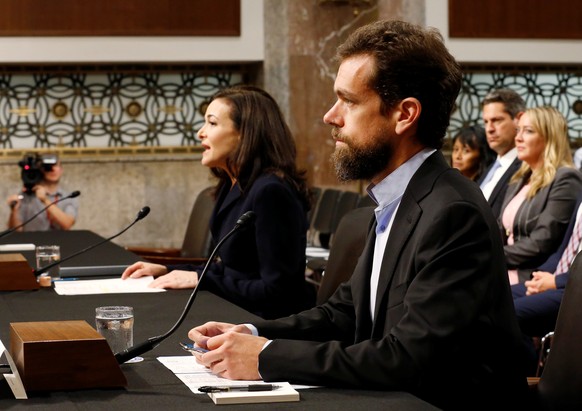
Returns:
point(41, 175)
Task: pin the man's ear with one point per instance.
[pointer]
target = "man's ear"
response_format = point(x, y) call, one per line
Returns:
point(408, 112)
point(518, 116)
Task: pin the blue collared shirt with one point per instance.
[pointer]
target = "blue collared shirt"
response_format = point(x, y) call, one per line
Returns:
point(387, 194)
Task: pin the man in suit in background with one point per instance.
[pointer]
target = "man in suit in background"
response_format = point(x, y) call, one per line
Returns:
point(501, 111)
point(428, 308)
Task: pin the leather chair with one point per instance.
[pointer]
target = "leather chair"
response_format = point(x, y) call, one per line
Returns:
point(315, 196)
point(197, 239)
point(366, 201)
point(320, 230)
point(560, 384)
point(334, 204)
point(350, 238)
point(347, 201)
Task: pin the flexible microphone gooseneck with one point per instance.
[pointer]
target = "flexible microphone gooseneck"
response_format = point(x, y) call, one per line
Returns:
point(140, 215)
point(152, 342)
point(58, 200)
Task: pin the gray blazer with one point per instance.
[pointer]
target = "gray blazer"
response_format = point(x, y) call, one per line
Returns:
point(540, 222)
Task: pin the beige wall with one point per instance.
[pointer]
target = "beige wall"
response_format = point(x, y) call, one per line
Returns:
point(114, 189)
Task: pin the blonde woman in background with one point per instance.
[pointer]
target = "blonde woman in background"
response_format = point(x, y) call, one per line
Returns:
point(542, 193)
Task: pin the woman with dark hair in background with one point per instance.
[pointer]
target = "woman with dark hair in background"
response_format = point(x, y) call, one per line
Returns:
point(250, 149)
point(471, 153)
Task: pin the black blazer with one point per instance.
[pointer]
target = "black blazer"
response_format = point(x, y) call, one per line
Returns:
point(444, 326)
point(498, 194)
point(261, 269)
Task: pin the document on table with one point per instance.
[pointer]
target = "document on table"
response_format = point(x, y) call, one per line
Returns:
point(317, 252)
point(105, 286)
point(196, 375)
point(13, 380)
point(17, 247)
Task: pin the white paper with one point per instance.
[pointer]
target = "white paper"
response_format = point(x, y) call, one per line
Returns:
point(283, 393)
point(317, 252)
point(105, 286)
point(17, 247)
point(13, 380)
point(195, 375)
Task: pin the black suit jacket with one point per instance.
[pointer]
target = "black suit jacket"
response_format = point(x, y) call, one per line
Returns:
point(444, 327)
point(498, 194)
point(261, 269)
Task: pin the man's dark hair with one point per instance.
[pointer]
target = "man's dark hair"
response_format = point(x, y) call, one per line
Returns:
point(512, 102)
point(411, 61)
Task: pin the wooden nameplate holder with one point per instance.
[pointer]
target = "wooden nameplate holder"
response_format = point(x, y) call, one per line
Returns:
point(16, 274)
point(63, 355)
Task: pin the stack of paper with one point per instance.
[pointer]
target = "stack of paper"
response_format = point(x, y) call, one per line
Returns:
point(69, 286)
point(196, 376)
point(284, 393)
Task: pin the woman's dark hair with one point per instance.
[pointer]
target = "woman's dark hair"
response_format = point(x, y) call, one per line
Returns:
point(266, 143)
point(475, 137)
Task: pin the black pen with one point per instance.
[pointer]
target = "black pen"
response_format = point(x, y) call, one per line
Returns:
point(226, 388)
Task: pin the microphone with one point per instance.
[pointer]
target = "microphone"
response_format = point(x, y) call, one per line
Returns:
point(244, 221)
point(140, 215)
point(58, 200)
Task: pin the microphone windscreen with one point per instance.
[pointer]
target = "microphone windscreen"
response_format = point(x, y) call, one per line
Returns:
point(143, 213)
point(247, 218)
point(75, 194)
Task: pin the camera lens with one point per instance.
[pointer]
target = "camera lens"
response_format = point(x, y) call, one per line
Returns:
point(32, 171)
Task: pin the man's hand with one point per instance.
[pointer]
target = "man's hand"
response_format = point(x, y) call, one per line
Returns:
point(13, 201)
point(41, 194)
point(234, 353)
point(541, 281)
point(202, 333)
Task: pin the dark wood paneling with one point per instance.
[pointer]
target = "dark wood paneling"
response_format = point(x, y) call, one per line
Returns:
point(517, 19)
point(120, 18)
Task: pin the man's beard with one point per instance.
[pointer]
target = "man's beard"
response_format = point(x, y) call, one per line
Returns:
point(355, 163)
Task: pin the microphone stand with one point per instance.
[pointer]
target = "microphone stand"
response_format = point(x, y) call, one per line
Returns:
point(11, 230)
point(153, 342)
point(140, 215)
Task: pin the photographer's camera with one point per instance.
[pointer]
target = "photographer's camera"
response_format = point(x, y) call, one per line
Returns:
point(33, 168)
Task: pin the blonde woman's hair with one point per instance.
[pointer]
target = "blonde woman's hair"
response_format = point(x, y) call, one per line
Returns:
point(552, 126)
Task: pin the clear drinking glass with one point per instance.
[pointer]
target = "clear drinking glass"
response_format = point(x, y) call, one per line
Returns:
point(115, 323)
point(48, 254)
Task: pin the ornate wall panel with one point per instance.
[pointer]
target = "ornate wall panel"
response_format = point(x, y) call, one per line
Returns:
point(561, 88)
point(118, 108)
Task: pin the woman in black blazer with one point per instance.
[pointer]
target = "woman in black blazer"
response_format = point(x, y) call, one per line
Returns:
point(250, 149)
point(542, 193)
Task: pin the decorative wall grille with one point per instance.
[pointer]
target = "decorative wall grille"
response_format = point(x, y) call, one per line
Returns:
point(561, 88)
point(112, 109)
point(89, 107)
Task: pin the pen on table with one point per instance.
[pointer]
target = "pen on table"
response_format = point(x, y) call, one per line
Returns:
point(68, 279)
point(225, 388)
